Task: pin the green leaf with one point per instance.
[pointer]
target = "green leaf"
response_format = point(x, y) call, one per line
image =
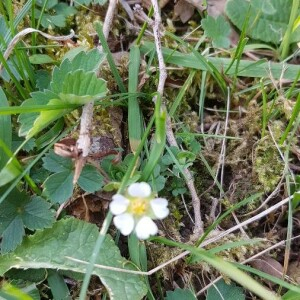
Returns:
point(17, 211)
point(55, 13)
point(51, 248)
point(86, 61)
point(43, 79)
point(65, 9)
point(180, 294)
point(291, 295)
point(265, 6)
point(245, 68)
point(218, 30)
point(38, 59)
point(48, 3)
point(12, 169)
point(27, 120)
point(134, 113)
point(80, 87)
point(268, 20)
point(37, 214)
point(46, 117)
point(223, 291)
point(10, 292)
point(59, 288)
point(55, 163)
point(90, 179)
point(59, 186)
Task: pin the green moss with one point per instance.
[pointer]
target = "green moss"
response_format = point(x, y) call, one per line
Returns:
point(268, 164)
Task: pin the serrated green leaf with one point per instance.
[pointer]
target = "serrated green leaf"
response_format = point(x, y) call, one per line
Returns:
point(42, 78)
point(180, 294)
point(223, 291)
point(59, 186)
point(80, 87)
point(267, 27)
point(86, 61)
point(90, 179)
point(50, 248)
point(55, 163)
point(37, 214)
point(218, 30)
point(12, 235)
point(17, 211)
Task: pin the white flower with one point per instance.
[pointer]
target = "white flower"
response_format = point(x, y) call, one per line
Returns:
point(135, 210)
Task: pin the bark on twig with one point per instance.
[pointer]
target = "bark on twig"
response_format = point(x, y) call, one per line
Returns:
point(198, 230)
point(84, 140)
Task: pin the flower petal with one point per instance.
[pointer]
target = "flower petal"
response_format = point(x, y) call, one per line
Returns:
point(159, 207)
point(125, 223)
point(139, 189)
point(145, 227)
point(119, 204)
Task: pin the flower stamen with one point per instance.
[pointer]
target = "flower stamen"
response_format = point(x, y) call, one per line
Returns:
point(138, 206)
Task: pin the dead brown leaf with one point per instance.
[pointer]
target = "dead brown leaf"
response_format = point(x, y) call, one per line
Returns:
point(183, 10)
point(268, 265)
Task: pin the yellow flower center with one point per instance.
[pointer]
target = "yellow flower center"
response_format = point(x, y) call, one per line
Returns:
point(138, 206)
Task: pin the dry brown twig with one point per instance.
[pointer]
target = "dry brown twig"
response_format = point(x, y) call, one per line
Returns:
point(198, 229)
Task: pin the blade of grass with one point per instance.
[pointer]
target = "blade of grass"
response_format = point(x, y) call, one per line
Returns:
point(13, 110)
point(264, 109)
point(285, 45)
point(144, 27)
point(114, 70)
point(23, 92)
point(181, 93)
point(134, 112)
point(5, 130)
point(160, 140)
point(292, 88)
point(202, 97)
point(269, 277)
point(247, 68)
point(295, 114)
